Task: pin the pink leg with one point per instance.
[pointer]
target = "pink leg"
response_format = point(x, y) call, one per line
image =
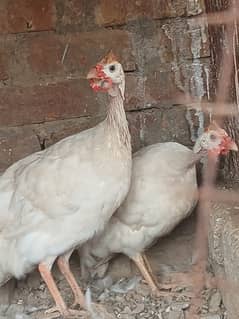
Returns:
point(63, 264)
point(60, 307)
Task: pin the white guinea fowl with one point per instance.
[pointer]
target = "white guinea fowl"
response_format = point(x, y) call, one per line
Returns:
point(163, 192)
point(56, 199)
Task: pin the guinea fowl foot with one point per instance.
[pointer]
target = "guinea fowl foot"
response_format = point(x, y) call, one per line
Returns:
point(144, 267)
point(146, 271)
point(159, 290)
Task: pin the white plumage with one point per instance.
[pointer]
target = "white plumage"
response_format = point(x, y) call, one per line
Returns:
point(150, 208)
point(163, 192)
point(56, 199)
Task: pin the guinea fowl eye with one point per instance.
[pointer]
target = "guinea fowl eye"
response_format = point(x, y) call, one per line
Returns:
point(112, 68)
point(213, 137)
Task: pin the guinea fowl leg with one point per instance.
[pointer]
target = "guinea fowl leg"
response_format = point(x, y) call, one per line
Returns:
point(144, 267)
point(149, 270)
point(148, 266)
point(60, 307)
point(146, 271)
point(63, 264)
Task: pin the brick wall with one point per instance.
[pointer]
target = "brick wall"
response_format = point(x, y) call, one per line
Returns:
point(47, 47)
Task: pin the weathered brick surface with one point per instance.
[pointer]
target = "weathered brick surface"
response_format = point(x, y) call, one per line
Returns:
point(119, 12)
point(173, 52)
point(3, 67)
point(134, 92)
point(89, 13)
point(27, 15)
point(72, 98)
point(39, 56)
point(16, 143)
point(134, 121)
point(50, 102)
point(164, 125)
point(68, 99)
point(167, 85)
point(42, 74)
point(71, 12)
point(75, 15)
point(170, 41)
point(146, 127)
point(51, 132)
point(158, 125)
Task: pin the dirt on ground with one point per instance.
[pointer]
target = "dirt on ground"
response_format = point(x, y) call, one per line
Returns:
point(122, 293)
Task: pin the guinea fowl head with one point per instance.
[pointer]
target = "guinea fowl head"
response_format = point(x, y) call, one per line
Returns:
point(215, 141)
point(107, 76)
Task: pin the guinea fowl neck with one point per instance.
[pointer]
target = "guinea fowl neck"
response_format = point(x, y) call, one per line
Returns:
point(196, 156)
point(117, 122)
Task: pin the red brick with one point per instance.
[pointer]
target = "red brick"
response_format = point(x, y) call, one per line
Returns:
point(3, 67)
point(38, 57)
point(111, 12)
point(44, 54)
point(37, 104)
point(134, 92)
point(165, 124)
point(159, 124)
point(119, 12)
point(87, 48)
point(72, 12)
point(134, 121)
point(16, 143)
point(27, 15)
point(51, 132)
point(161, 87)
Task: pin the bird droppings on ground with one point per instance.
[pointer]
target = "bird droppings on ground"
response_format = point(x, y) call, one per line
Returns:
point(122, 293)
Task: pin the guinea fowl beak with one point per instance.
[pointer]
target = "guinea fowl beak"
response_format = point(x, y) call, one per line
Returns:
point(92, 74)
point(232, 146)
